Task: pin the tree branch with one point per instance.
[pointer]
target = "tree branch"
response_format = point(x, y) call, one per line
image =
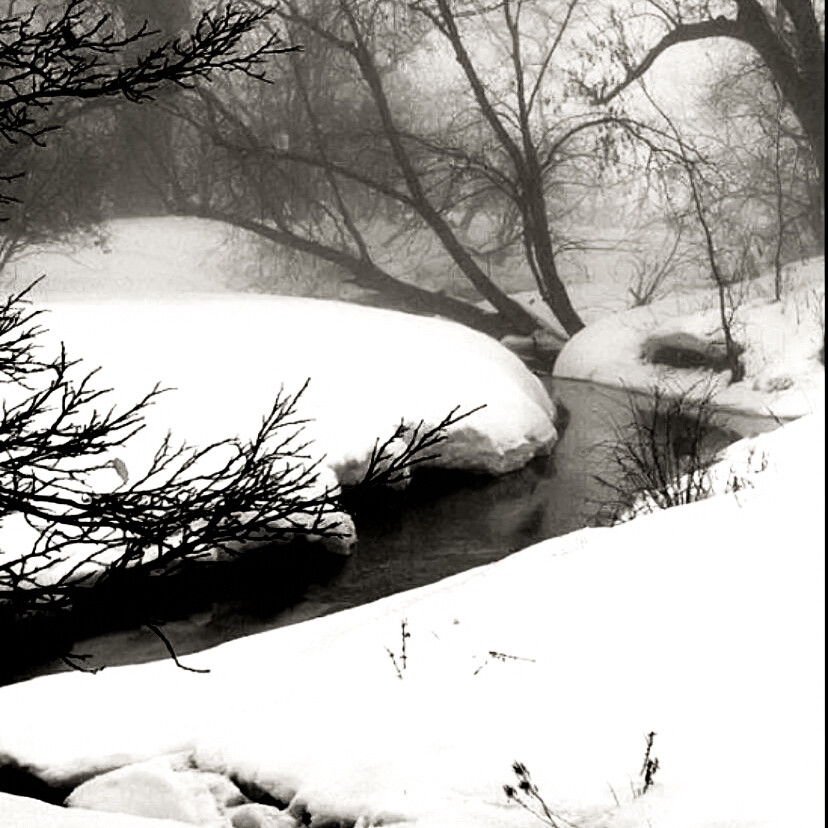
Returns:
point(683, 33)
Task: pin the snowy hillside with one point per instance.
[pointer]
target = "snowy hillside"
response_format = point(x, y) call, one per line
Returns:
point(700, 624)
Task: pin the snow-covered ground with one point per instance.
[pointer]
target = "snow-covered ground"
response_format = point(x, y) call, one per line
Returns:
point(701, 623)
point(135, 257)
point(168, 255)
point(225, 357)
point(784, 372)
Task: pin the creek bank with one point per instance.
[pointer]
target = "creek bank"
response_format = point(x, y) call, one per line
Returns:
point(722, 590)
point(445, 522)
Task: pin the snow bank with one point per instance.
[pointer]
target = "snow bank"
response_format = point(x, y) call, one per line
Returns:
point(702, 624)
point(161, 788)
point(147, 299)
point(22, 812)
point(227, 355)
point(136, 257)
point(785, 375)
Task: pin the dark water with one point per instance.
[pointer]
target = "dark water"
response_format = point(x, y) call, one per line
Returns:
point(443, 524)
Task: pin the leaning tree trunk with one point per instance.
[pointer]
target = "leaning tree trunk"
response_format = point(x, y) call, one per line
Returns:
point(367, 275)
point(539, 243)
point(518, 317)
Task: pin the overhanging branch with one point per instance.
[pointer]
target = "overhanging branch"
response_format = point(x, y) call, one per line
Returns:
point(683, 33)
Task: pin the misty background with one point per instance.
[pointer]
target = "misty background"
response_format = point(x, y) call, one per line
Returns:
point(370, 167)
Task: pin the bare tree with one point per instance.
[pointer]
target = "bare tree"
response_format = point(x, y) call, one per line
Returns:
point(786, 35)
point(311, 171)
point(53, 437)
point(353, 158)
point(53, 67)
point(145, 138)
point(692, 164)
point(757, 142)
point(355, 33)
point(528, 159)
point(59, 190)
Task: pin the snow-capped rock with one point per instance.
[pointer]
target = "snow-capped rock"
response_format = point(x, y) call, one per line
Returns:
point(161, 788)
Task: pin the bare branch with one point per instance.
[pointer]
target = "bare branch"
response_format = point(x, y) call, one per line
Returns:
point(155, 630)
point(550, 53)
point(682, 33)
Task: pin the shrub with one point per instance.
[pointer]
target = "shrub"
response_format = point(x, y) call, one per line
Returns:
point(194, 508)
point(660, 454)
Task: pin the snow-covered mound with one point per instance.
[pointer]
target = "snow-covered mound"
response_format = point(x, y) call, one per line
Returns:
point(227, 355)
point(22, 812)
point(783, 341)
point(701, 624)
point(136, 256)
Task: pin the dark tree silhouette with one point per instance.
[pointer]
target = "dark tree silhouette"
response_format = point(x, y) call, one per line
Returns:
point(787, 38)
point(327, 166)
point(145, 137)
point(52, 435)
point(79, 55)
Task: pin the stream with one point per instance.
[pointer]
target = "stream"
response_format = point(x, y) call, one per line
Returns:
point(444, 523)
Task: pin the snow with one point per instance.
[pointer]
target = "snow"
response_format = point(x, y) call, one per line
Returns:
point(701, 623)
point(226, 356)
point(22, 812)
point(135, 257)
point(368, 370)
point(161, 788)
point(784, 374)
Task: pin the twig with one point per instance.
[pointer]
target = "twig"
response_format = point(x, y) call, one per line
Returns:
point(153, 628)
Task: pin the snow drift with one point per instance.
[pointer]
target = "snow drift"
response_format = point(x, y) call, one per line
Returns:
point(701, 623)
point(783, 341)
point(226, 355)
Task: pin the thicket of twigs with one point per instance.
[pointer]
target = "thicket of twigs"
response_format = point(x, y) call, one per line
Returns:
point(660, 453)
point(193, 510)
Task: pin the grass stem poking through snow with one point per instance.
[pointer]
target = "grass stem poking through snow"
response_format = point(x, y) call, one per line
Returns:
point(501, 657)
point(528, 796)
point(401, 665)
point(648, 767)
